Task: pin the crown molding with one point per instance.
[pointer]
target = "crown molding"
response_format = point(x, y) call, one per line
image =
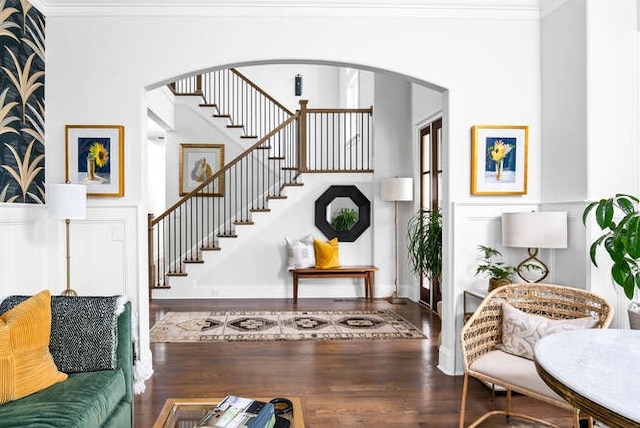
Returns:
point(454, 9)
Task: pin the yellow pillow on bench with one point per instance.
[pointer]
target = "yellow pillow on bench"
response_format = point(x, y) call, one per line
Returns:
point(326, 254)
point(26, 366)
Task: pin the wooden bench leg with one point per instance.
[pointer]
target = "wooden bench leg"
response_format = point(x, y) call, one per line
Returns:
point(295, 287)
point(366, 286)
point(372, 278)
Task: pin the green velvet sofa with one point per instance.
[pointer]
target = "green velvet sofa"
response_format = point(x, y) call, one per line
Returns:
point(91, 399)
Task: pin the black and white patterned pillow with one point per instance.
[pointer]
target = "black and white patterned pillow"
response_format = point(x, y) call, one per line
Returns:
point(84, 331)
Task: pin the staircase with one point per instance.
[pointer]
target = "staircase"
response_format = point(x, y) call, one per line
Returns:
point(288, 145)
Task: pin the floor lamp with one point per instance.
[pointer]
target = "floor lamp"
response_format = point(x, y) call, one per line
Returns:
point(69, 202)
point(397, 189)
point(534, 230)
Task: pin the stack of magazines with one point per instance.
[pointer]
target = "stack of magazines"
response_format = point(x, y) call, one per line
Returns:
point(239, 412)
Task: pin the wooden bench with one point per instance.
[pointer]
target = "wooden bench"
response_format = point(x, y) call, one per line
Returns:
point(366, 272)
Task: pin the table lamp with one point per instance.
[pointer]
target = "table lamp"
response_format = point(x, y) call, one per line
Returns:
point(69, 202)
point(396, 189)
point(534, 230)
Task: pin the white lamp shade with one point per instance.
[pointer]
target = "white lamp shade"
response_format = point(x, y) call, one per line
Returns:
point(67, 201)
point(538, 229)
point(397, 189)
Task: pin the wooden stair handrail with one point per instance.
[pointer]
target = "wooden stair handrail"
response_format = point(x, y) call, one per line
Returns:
point(259, 89)
point(223, 169)
point(341, 110)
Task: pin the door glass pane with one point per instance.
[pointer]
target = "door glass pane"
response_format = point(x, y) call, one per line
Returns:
point(439, 148)
point(426, 152)
point(426, 191)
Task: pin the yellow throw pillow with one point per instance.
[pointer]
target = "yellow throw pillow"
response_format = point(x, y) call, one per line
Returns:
point(26, 366)
point(326, 254)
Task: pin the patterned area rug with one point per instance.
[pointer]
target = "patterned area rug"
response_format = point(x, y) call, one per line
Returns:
point(294, 325)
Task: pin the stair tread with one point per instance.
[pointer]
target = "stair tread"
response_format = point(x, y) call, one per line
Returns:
point(227, 235)
point(189, 94)
point(277, 197)
point(208, 105)
point(160, 287)
point(210, 248)
point(235, 126)
point(226, 116)
point(248, 136)
point(243, 223)
point(176, 274)
point(193, 261)
point(289, 168)
point(293, 184)
point(276, 157)
point(260, 210)
point(263, 148)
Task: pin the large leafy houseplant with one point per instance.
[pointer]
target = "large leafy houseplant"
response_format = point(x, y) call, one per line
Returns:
point(621, 239)
point(424, 238)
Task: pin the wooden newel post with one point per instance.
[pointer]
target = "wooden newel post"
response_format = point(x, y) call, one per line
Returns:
point(302, 137)
point(150, 252)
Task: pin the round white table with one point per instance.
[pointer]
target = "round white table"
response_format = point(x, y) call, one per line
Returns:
point(597, 371)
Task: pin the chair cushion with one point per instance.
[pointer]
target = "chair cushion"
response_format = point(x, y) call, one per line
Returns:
point(521, 330)
point(83, 400)
point(513, 370)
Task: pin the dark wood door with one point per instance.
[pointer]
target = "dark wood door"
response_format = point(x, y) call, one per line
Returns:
point(430, 138)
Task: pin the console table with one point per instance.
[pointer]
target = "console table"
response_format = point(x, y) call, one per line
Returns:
point(595, 370)
point(366, 272)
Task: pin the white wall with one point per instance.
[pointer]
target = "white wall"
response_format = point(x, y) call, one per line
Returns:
point(190, 128)
point(426, 104)
point(490, 78)
point(590, 125)
point(319, 84)
point(564, 86)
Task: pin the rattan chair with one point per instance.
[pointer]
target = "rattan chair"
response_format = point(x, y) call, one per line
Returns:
point(483, 332)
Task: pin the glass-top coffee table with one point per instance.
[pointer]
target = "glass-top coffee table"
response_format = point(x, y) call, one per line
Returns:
point(186, 412)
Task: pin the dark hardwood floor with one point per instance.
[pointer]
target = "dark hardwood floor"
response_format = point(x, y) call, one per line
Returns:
point(382, 383)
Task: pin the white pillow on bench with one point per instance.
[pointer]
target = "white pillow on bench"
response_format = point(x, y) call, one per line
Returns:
point(300, 253)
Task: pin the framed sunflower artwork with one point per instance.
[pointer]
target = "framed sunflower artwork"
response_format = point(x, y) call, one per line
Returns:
point(499, 159)
point(95, 158)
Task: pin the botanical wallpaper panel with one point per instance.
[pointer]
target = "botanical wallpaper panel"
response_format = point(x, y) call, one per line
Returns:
point(21, 102)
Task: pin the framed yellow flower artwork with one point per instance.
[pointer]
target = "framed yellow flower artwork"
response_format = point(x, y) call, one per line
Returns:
point(95, 158)
point(499, 159)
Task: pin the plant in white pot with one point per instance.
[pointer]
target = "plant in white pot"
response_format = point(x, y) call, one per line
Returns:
point(621, 240)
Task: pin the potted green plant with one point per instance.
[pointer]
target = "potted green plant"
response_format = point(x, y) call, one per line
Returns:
point(496, 270)
point(344, 219)
point(424, 239)
point(621, 240)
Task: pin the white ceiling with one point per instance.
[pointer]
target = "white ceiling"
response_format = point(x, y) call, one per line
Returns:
point(385, 7)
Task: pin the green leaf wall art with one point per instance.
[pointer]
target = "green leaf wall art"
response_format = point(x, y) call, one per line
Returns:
point(22, 29)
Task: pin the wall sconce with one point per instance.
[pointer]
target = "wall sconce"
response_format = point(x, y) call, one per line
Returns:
point(534, 230)
point(298, 85)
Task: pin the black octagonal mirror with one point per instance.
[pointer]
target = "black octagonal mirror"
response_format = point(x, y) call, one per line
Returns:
point(343, 212)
